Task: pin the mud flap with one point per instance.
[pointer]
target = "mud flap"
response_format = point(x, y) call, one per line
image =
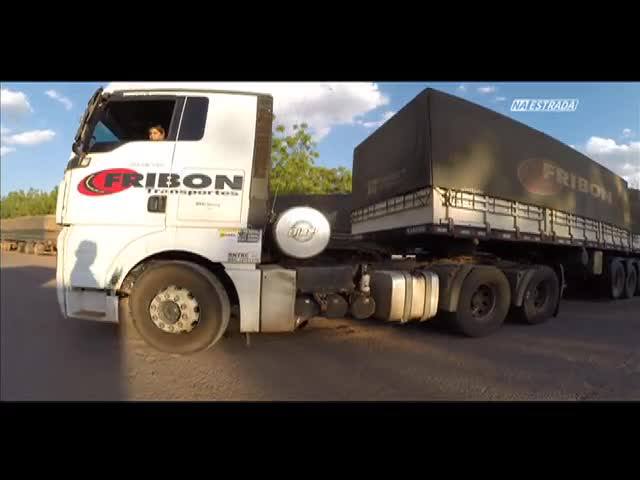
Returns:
point(450, 280)
point(559, 269)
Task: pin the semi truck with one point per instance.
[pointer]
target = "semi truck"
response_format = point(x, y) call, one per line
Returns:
point(456, 212)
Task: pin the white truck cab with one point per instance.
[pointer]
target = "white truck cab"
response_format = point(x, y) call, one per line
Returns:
point(192, 206)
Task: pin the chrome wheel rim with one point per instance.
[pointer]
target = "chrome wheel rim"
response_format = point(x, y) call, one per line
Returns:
point(483, 302)
point(175, 310)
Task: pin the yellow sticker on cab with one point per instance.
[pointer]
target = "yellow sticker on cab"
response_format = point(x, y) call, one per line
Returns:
point(229, 232)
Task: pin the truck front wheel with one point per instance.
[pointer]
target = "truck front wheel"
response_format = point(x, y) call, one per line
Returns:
point(179, 308)
point(484, 302)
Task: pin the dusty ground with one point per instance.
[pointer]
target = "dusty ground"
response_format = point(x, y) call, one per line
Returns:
point(591, 351)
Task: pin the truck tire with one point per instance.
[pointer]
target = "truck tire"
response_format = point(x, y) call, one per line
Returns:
point(615, 278)
point(21, 247)
point(484, 302)
point(178, 309)
point(540, 297)
point(29, 249)
point(631, 281)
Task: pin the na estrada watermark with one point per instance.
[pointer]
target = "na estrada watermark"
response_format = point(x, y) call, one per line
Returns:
point(544, 105)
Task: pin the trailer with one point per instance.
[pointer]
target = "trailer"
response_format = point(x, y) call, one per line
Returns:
point(456, 212)
point(31, 235)
point(445, 173)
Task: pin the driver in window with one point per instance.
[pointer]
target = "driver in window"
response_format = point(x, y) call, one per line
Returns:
point(156, 133)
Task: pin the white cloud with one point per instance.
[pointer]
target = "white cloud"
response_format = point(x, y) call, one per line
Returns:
point(500, 99)
point(5, 150)
point(633, 180)
point(626, 133)
point(623, 159)
point(598, 145)
point(60, 98)
point(13, 102)
point(375, 124)
point(322, 106)
point(320, 133)
point(462, 88)
point(32, 137)
point(487, 89)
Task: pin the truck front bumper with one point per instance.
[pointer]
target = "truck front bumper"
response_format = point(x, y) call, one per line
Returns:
point(82, 303)
point(60, 284)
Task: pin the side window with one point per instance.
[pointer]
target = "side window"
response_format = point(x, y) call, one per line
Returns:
point(194, 119)
point(128, 120)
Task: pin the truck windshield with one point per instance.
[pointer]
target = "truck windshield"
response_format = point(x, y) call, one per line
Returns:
point(91, 105)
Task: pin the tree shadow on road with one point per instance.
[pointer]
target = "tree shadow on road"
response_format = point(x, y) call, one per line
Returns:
point(48, 357)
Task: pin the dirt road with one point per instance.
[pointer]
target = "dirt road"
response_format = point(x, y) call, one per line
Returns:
point(591, 351)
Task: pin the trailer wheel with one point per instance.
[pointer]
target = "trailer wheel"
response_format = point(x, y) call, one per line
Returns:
point(615, 278)
point(38, 249)
point(484, 302)
point(540, 297)
point(29, 249)
point(631, 282)
point(177, 309)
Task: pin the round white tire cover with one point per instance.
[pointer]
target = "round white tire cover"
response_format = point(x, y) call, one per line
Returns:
point(302, 232)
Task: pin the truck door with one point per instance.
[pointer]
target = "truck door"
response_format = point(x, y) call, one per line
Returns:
point(109, 186)
point(213, 160)
point(110, 196)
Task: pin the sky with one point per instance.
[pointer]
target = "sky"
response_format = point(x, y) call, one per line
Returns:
point(39, 120)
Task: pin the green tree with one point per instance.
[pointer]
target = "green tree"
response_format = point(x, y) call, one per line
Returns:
point(292, 160)
point(293, 169)
point(32, 202)
point(333, 180)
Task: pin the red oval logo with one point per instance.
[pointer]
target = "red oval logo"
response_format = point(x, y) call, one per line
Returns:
point(106, 182)
point(531, 173)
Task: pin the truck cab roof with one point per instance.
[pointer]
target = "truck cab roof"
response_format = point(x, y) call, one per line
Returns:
point(181, 87)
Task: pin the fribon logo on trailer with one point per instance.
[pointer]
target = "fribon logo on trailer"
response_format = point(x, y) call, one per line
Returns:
point(114, 180)
point(543, 177)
